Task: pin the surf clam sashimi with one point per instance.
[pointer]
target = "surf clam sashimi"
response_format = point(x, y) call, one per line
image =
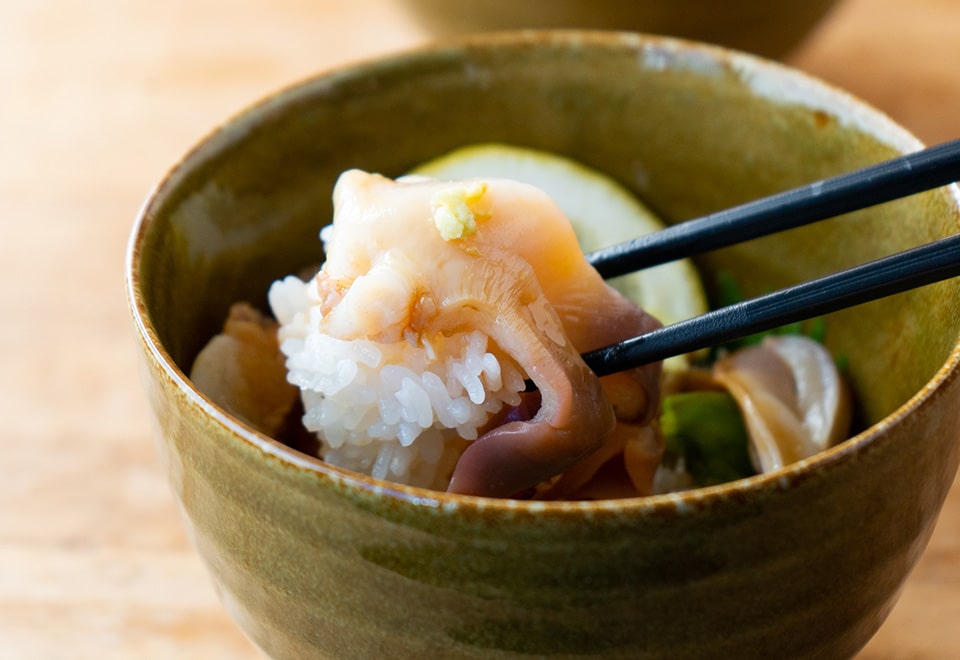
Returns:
point(436, 301)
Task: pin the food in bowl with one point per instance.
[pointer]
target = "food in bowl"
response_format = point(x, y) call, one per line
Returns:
point(411, 347)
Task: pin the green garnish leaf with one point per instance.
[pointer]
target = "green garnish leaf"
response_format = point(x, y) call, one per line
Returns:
point(707, 430)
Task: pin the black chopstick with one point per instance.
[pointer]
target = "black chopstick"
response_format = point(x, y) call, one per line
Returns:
point(919, 266)
point(883, 182)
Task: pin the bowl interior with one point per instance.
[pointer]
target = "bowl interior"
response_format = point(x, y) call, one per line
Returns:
point(689, 130)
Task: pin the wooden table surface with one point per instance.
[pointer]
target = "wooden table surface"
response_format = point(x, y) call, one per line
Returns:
point(96, 100)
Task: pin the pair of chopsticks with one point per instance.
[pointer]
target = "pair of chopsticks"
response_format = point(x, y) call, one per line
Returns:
point(886, 181)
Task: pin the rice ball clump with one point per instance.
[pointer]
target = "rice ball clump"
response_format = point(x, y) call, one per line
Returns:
point(400, 411)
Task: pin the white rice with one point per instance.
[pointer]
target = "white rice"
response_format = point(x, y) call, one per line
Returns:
point(399, 411)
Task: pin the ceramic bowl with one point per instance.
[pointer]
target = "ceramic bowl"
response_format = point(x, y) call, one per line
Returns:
point(766, 27)
point(314, 561)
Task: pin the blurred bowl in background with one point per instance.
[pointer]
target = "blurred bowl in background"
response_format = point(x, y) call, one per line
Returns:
point(766, 27)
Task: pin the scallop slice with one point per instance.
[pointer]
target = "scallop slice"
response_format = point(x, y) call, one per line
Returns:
point(794, 400)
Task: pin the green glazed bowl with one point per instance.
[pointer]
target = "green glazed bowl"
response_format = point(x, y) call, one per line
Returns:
point(314, 561)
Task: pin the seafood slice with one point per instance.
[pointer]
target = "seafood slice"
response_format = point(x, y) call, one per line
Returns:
point(417, 271)
point(794, 400)
point(602, 213)
point(242, 370)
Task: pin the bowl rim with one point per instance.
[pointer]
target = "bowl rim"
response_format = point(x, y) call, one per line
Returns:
point(767, 77)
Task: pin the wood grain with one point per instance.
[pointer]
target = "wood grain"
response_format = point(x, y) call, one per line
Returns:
point(97, 99)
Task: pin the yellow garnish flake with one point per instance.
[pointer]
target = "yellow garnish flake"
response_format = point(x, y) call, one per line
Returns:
point(456, 210)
